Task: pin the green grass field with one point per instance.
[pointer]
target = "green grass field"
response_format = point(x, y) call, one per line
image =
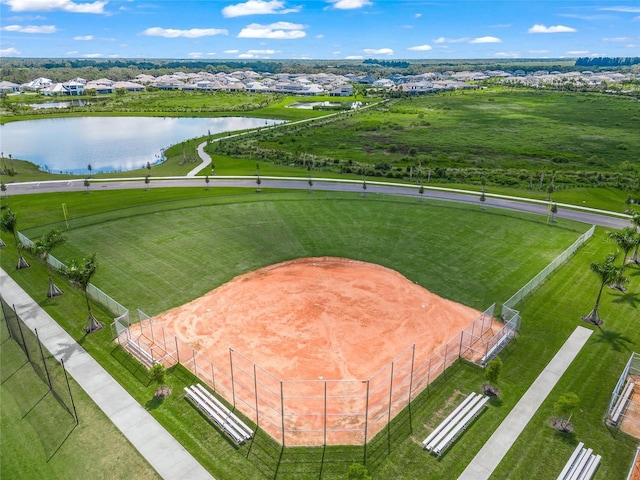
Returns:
point(460, 252)
point(38, 437)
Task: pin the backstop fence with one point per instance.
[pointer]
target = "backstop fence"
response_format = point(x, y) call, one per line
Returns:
point(624, 406)
point(545, 272)
point(318, 411)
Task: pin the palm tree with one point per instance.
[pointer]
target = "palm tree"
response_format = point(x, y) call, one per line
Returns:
point(635, 220)
point(627, 239)
point(8, 223)
point(43, 247)
point(553, 209)
point(80, 272)
point(421, 191)
point(607, 272)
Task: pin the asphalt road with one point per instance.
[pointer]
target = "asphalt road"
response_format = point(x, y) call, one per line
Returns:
point(579, 214)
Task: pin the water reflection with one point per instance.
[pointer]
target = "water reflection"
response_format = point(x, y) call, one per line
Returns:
point(109, 144)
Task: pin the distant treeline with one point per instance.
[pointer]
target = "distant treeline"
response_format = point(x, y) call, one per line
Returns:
point(607, 61)
point(387, 63)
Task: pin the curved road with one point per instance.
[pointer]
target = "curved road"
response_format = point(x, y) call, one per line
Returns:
point(579, 214)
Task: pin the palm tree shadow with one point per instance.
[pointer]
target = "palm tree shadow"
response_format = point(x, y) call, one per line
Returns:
point(616, 339)
point(632, 298)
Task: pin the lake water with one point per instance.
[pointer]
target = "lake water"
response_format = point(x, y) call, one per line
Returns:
point(108, 144)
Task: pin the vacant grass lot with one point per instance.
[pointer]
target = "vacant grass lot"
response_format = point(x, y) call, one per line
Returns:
point(429, 238)
point(509, 137)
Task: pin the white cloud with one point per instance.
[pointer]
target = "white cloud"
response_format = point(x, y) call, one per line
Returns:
point(553, 29)
point(618, 39)
point(262, 52)
point(195, 54)
point(577, 52)
point(486, 40)
point(192, 33)
point(319, 36)
point(83, 38)
point(257, 7)
point(621, 9)
point(451, 40)
point(231, 51)
point(417, 15)
point(353, 57)
point(92, 55)
point(507, 55)
point(541, 52)
point(378, 51)
point(246, 55)
point(30, 28)
point(421, 48)
point(52, 5)
point(274, 31)
point(9, 52)
point(350, 4)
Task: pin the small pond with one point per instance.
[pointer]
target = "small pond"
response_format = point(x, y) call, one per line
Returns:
point(108, 144)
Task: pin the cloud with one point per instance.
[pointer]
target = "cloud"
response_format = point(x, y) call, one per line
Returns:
point(92, 55)
point(507, 54)
point(231, 51)
point(421, 48)
point(621, 9)
point(83, 38)
point(319, 36)
point(486, 40)
point(618, 39)
point(262, 52)
point(451, 40)
point(417, 15)
point(577, 52)
point(52, 5)
point(30, 28)
point(542, 52)
point(192, 33)
point(554, 29)
point(274, 31)
point(378, 51)
point(9, 52)
point(353, 57)
point(257, 7)
point(350, 4)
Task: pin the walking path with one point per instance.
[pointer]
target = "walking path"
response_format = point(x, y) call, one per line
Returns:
point(490, 455)
point(157, 446)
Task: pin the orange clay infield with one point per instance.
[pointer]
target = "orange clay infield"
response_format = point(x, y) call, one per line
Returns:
point(317, 319)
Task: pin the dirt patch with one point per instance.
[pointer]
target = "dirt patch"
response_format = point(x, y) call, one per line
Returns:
point(318, 323)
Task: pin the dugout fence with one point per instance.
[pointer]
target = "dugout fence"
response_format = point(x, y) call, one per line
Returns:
point(624, 407)
point(315, 412)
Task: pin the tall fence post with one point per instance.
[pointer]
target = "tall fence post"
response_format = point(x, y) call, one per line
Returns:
point(324, 442)
point(177, 349)
point(24, 344)
point(444, 365)
point(73, 404)
point(255, 389)
point(389, 412)
point(366, 423)
point(44, 363)
point(233, 385)
point(413, 356)
point(282, 409)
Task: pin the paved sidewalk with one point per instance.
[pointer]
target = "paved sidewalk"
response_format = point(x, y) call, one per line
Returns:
point(490, 455)
point(157, 446)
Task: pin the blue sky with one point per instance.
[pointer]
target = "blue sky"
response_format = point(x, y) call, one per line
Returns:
point(319, 29)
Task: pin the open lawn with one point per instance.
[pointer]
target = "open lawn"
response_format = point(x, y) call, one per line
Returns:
point(38, 437)
point(180, 248)
point(508, 137)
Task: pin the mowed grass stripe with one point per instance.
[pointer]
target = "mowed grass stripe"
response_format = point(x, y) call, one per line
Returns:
point(165, 259)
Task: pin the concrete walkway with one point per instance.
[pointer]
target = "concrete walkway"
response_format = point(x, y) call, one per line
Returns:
point(156, 445)
point(490, 455)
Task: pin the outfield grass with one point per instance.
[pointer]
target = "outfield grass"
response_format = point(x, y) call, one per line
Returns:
point(315, 224)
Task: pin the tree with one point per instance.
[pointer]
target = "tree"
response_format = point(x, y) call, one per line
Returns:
point(606, 272)
point(147, 181)
point(357, 471)
point(3, 188)
point(483, 198)
point(206, 180)
point(158, 374)
point(43, 247)
point(80, 273)
point(550, 190)
point(364, 187)
point(89, 168)
point(635, 221)
point(627, 239)
point(149, 167)
point(491, 373)
point(564, 407)
point(8, 223)
point(87, 184)
point(553, 209)
point(421, 192)
point(258, 182)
